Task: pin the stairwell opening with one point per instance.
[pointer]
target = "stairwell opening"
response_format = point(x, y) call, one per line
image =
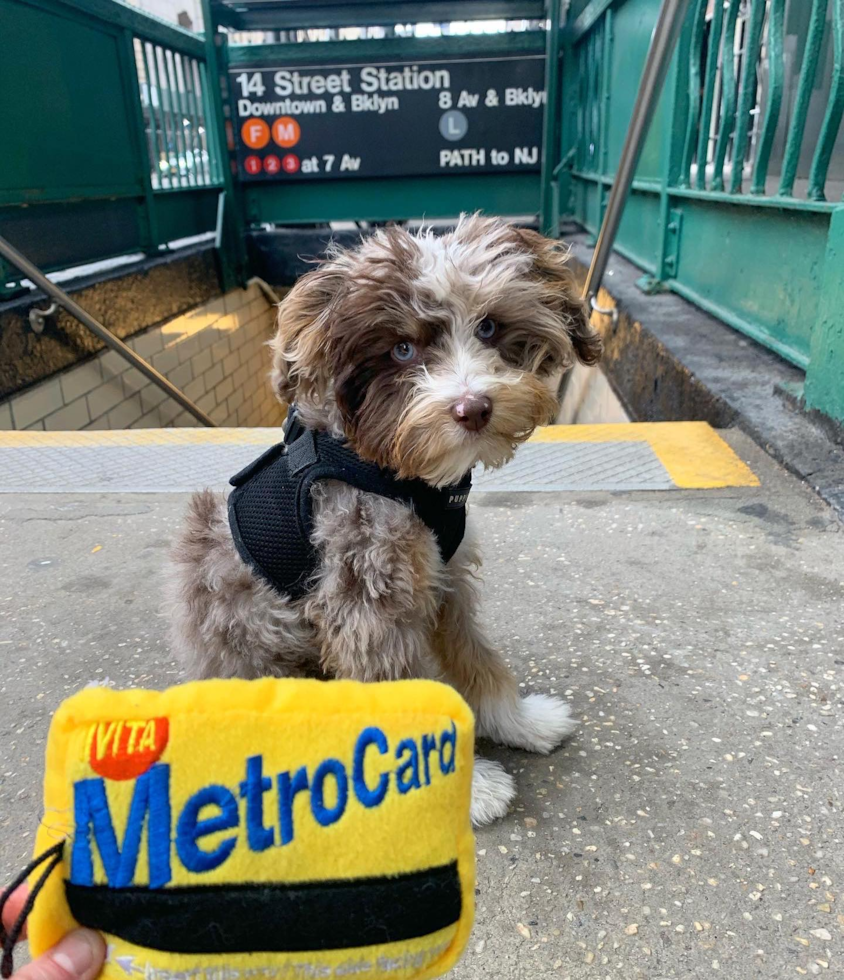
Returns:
point(215, 353)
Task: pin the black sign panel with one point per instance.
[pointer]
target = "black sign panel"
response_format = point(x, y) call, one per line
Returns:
point(413, 118)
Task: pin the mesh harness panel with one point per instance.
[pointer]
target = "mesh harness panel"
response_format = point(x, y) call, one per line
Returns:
point(271, 509)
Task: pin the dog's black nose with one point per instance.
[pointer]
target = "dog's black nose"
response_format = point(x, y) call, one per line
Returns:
point(472, 412)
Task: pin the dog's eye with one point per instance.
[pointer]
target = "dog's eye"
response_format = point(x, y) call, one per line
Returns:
point(404, 352)
point(487, 329)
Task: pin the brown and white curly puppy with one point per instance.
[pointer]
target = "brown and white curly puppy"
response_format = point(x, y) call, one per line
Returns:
point(430, 355)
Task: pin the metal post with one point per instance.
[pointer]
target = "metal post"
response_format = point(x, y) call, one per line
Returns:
point(834, 109)
point(132, 91)
point(233, 259)
point(715, 31)
point(659, 55)
point(156, 113)
point(824, 390)
point(747, 92)
point(35, 275)
point(776, 78)
point(729, 95)
point(797, 125)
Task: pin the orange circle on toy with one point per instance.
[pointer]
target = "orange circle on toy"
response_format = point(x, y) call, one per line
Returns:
point(126, 748)
point(255, 133)
point(286, 131)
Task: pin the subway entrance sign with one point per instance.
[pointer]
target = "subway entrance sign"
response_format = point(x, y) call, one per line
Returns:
point(389, 117)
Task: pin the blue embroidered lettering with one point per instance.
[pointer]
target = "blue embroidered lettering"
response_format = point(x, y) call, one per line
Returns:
point(325, 816)
point(150, 801)
point(252, 790)
point(429, 745)
point(369, 797)
point(448, 739)
point(328, 791)
point(190, 828)
point(287, 790)
point(404, 782)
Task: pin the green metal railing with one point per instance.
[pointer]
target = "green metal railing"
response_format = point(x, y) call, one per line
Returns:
point(743, 169)
point(745, 42)
point(735, 204)
point(117, 156)
point(173, 94)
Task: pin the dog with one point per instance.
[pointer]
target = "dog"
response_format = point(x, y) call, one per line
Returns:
point(428, 355)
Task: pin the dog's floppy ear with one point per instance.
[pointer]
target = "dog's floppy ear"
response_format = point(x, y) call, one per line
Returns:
point(562, 297)
point(300, 346)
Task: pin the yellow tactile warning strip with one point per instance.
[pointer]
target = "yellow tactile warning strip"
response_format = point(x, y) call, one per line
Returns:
point(635, 456)
point(693, 453)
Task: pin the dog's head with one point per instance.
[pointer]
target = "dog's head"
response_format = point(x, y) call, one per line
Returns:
point(431, 354)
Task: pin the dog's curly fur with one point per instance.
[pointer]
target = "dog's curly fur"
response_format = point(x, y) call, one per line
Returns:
point(382, 605)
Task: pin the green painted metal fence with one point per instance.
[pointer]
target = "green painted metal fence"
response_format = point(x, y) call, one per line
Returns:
point(172, 88)
point(109, 141)
point(118, 146)
point(743, 169)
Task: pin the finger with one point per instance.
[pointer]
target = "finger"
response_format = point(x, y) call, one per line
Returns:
point(78, 956)
point(13, 906)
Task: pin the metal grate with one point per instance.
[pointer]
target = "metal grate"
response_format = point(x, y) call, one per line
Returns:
point(549, 467)
point(123, 469)
point(180, 465)
point(173, 91)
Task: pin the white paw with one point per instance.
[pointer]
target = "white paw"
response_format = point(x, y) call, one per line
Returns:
point(546, 722)
point(537, 723)
point(493, 790)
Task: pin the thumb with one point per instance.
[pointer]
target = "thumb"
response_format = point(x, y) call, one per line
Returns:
point(78, 956)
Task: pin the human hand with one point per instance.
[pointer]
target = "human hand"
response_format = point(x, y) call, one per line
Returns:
point(77, 956)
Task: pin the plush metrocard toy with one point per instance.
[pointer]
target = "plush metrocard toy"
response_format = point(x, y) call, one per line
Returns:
point(272, 828)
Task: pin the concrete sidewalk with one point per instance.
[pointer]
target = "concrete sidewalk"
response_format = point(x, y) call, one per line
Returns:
point(691, 828)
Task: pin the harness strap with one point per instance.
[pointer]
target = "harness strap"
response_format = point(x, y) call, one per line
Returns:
point(271, 508)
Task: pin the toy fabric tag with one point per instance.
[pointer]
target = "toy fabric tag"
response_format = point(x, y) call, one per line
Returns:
point(272, 828)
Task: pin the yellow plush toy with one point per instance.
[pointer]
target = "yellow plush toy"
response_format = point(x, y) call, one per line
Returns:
point(272, 828)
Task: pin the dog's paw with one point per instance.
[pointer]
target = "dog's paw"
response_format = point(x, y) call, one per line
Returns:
point(493, 790)
point(537, 723)
point(545, 722)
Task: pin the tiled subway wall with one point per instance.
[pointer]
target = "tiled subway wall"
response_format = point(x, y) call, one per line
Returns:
point(216, 354)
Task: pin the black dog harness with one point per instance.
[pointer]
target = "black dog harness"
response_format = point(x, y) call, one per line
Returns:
point(271, 510)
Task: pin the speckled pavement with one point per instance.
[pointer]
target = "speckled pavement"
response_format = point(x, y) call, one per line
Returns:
point(693, 826)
